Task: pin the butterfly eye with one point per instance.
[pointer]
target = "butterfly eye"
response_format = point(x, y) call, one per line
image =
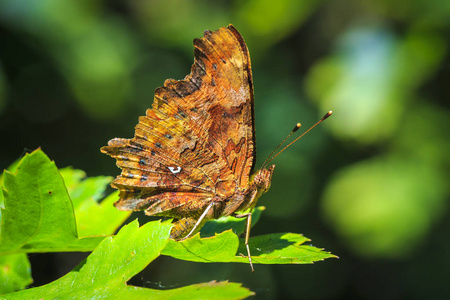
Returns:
point(175, 170)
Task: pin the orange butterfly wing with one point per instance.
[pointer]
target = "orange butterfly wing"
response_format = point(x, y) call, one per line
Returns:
point(197, 141)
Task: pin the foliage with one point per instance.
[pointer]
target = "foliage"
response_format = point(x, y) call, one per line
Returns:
point(15, 272)
point(105, 272)
point(41, 213)
point(282, 248)
point(36, 200)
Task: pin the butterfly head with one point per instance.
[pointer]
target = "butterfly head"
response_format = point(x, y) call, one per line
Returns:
point(263, 178)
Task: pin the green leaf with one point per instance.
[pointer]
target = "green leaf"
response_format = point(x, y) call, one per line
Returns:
point(209, 290)
point(15, 273)
point(81, 187)
point(280, 248)
point(93, 218)
point(38, 214)
point(116, 260)
point(11, 168)
point(220, 248)
point(15, 269)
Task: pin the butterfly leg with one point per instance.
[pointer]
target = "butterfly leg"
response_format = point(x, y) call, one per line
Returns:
point(247, 235)
point(199, 221)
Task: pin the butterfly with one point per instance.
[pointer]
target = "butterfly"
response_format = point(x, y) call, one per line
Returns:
point(193, 154)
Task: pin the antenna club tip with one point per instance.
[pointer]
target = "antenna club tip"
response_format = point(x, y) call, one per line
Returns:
point(297, 127)
point(327, 115)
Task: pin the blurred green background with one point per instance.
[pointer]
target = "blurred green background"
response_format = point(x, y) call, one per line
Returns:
point(371, 184)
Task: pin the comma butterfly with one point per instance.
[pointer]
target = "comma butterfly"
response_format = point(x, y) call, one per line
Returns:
point(193, 153)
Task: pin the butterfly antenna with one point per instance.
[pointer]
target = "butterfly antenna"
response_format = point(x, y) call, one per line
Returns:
point(267, 161)
point(297, 127)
